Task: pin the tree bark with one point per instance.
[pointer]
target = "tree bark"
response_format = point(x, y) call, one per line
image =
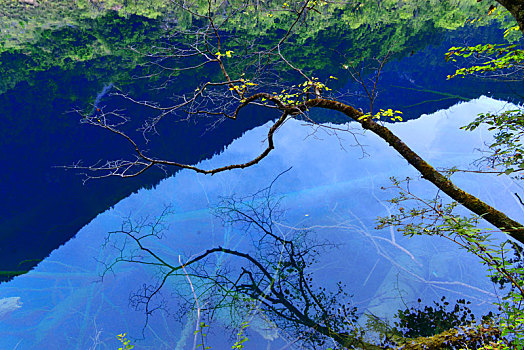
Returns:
point(490, 214)
point(454, 338)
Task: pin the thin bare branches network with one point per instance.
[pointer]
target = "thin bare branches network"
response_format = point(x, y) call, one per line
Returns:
point(240, 74)
point(274, 277)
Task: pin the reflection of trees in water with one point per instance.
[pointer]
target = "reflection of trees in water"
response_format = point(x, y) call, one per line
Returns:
point(269, 278)
point(424, 264)
point(275, 277)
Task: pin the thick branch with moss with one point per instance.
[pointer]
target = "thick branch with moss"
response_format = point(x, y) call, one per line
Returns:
point(232, 92)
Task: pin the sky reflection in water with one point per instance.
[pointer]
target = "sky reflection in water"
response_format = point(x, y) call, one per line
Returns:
point(330, 188)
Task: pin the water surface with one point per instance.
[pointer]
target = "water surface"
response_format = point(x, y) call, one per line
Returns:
point(330, 189)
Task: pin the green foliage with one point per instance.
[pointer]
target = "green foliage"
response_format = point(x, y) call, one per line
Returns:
point(512, 320)
point(495, 57)
point(241, 337)
point(388, 113)
point(200, 332)
point(21, 23)
point(92, 28)
point(126, 343)
point(516, 260)
point(507, 150)
point(417, 216)
point(95, 45)
point(508, 56)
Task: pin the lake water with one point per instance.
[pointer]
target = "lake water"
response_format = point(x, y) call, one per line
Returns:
point(330, 188)
point(61, 57)
point(44, 206)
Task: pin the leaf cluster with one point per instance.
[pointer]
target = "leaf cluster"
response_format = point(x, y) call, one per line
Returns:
point(126, 343)
point(388, 113)
point(436, 218)
point(507, 151)
point(498, 57)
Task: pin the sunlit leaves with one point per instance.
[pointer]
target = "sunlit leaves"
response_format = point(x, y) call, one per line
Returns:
point(302, 92)
point(241, 337)
point(505, 56)
point(243, 87)
point(386, 113)
point(126, 343)
point(228, 54)
point(510, 29)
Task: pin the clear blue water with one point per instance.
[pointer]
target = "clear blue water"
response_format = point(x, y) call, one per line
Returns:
point(44, 206)
point(62, 304)
point(50, 219)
